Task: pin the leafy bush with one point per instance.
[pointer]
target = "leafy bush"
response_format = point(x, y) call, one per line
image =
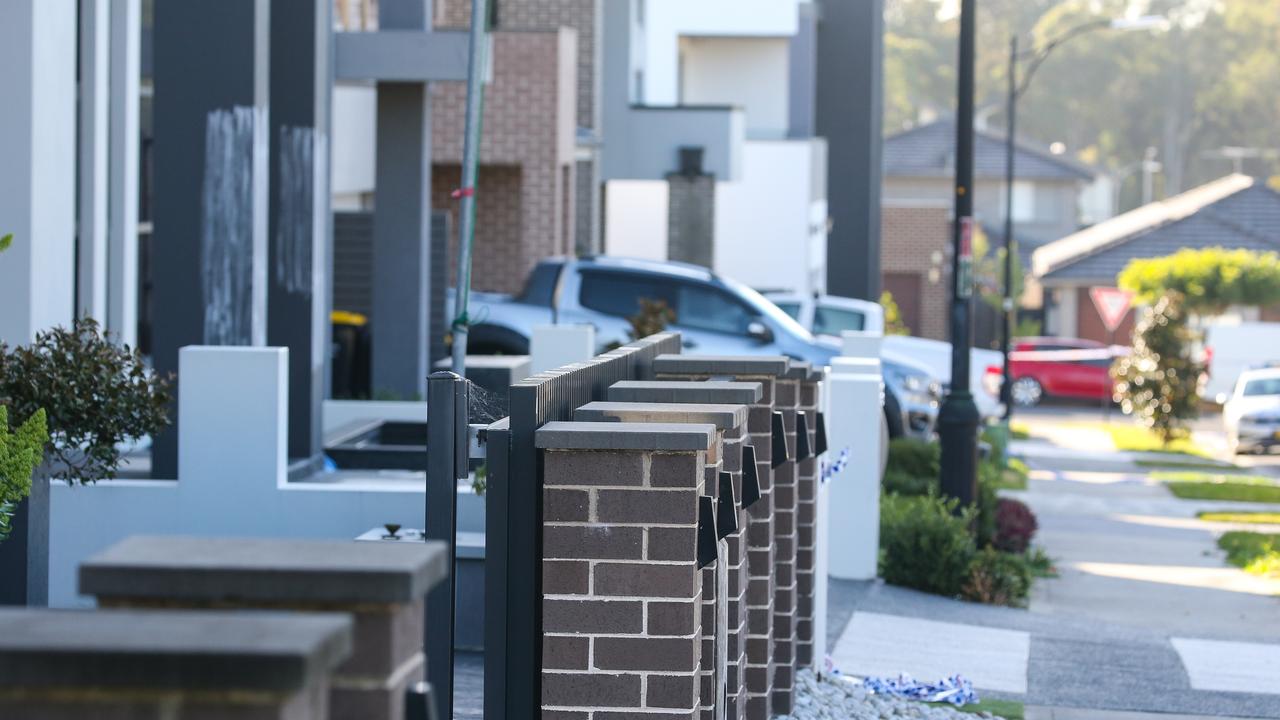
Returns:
point(653, 318)
point(1209, 279)
point(96, 394)
point(998, 578)
point(893, 324)
point(1015, 526)
point(900, 482)
point(1157, 383)
point(21, 450)
point(925, 543)
point(914, 457)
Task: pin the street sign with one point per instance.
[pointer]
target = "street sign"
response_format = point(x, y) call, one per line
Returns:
point(1112, 304)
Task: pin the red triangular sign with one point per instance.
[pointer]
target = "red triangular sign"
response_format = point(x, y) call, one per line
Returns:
point(1112, 305)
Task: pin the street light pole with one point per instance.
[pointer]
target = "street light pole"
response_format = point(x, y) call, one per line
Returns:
point(958, 418)
point(1006, 309)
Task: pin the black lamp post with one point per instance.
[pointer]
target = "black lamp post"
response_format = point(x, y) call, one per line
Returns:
point(958, 418)
point(1035, 57)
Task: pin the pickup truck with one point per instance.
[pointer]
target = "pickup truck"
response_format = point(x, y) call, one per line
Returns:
point(714, 315)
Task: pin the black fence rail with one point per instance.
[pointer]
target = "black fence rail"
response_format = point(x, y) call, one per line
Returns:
point(513, 518)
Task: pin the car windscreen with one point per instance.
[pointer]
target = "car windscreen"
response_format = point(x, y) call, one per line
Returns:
point(619, 293)
point(829, 320)
point(790, 308)
point(540, 288)
point(767, 308)
point(1262, 386)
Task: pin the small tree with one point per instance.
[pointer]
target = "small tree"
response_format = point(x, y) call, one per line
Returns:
point(21, 450)
point(1158, 381)
point(96, 393)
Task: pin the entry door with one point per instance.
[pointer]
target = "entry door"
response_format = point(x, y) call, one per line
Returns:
point(906, 290)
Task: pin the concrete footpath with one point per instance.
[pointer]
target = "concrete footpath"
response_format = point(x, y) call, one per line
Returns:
point(1145, 618)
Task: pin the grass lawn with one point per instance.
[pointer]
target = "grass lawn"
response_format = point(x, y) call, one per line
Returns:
point(1256, 518)
point(1007, 709)
point(1019, 430)
point(1191, 462)
point(1013, 477)
point(1139, 439)
point(1257, 553)
point(1218, 486)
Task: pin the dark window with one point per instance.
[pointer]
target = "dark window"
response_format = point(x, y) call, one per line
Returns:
point(702, 307)
point(833, 321)
point(1262, 386)
point(540, 288)
point(792, 309)
point(619, 294)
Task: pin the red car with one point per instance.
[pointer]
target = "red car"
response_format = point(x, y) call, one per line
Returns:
point(1061, 367)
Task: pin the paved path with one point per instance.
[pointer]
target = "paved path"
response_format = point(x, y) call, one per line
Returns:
point(1145, 618)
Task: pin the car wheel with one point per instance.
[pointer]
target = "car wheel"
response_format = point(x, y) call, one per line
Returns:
point(1026, 392)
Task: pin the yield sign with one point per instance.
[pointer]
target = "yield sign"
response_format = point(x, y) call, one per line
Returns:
point(1112, 304)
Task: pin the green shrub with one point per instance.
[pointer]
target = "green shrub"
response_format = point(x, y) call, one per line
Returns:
point(21, 450)
point(1158, 382)
point(984, 513)
point(914, 457)
point(998, 578)
point(925, 543)
point(900, 482)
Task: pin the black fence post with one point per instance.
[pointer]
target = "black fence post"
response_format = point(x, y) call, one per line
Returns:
point(447, 399)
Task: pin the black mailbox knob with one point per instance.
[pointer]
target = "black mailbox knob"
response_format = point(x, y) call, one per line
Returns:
point(802, 437)
point(707, 539)
point(780, 452)
point(820, 442)
point(750, 476)
point(726, 507)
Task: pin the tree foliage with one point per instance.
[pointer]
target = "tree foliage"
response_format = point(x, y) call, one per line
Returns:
point(893, 323)
point(1158, 381)
point(1210, 280)
point(1206, 82)
point(21, 450)
point(96, 393)
point(653, 318)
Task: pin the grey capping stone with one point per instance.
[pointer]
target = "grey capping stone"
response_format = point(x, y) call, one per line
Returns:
point(678, 391)
point(669, 437)
point(257, 570)
point(724, 417)
point(673, 364)
point(799, 370)
point(168, 649)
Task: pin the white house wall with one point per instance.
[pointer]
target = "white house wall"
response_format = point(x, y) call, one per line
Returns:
point(771, 225)
point(667, 20)
point(355, 118)
point(750, 73)
point(636, 218)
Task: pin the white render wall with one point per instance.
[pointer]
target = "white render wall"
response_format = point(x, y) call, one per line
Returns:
point(771, 225)
point(37, 175)
point(751, 73)
point(635, 223)
point(667, 20)
point(355, 118)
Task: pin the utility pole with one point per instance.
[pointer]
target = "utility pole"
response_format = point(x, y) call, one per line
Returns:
point(470, 171)
point(958, 419)
point(1010, 153)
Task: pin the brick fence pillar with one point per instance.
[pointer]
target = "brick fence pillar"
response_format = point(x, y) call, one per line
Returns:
point(183, 665)
point(383, 585)
point(785, 497)
point(808, 470)
point(762, 545)
point(722, 648)
point(624, 515)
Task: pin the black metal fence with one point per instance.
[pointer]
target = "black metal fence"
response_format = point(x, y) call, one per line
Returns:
point(513, 518)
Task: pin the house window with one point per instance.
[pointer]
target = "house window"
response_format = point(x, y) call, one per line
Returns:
point(1024, 201)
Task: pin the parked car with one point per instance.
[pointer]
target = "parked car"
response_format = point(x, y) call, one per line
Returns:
point(1232, 349)
point(829, 315)
point(714, 316)
point(1252, 413)
point(1063, 368)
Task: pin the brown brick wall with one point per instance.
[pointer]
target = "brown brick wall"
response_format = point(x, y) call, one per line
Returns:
point(622, 595)
point(806, 517)
point(910, 237)
point(526, 214)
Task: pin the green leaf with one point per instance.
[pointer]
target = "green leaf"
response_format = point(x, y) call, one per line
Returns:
point(6, 241)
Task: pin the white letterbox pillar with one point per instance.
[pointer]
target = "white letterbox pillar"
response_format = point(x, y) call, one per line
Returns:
point(853, 503)
point(554, 346)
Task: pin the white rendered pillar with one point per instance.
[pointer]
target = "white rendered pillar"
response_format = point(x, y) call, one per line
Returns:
point(554, 346)
point(854, 387)
point(122, 171)
point(822, 543)
point(861, 344)
point(95, 100)
point(37, 180)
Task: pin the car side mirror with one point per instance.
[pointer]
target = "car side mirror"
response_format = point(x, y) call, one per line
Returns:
point(759, 332)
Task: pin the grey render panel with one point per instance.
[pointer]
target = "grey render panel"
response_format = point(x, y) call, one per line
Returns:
point(257, 570)
point(723, 416)
point(775, 365)
point(676, 391)
point(669, 437)
point(401, 55)
point(159, 649)
point(929, 151)
point(642, 142)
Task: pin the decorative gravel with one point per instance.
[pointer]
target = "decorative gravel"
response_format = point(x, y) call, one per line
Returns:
point(841, 698)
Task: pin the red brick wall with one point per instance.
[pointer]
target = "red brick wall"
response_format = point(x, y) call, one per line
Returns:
point(526, 184)
point(910, 237)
